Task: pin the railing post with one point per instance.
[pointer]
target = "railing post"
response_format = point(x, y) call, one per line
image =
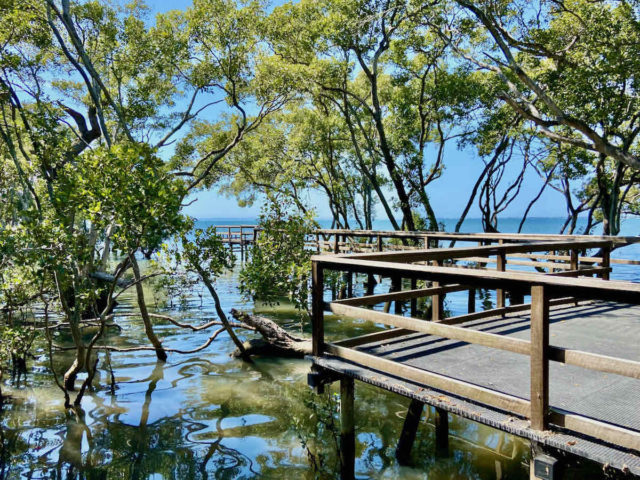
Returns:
point(501, 264)
point(414, 301)
point(539, 357)
point(437, 301)
point(574, 265)
point(336, 246)
point(317, 242)
point(317, 308)
point(379, 239)
point(471, 302)
point(606, 262)
point(426, 241)
point(396, 286)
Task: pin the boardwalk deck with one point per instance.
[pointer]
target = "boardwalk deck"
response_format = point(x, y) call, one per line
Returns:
point(560, 374)
point(606, 397)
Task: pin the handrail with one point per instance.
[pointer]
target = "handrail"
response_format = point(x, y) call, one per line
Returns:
point(545, 289)
point(461, 236)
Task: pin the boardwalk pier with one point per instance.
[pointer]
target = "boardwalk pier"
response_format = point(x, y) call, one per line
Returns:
point(558, 365)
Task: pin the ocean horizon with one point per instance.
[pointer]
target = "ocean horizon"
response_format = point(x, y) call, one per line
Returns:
point(630, 225)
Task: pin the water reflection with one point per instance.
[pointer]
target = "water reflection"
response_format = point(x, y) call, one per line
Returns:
point(209, 416)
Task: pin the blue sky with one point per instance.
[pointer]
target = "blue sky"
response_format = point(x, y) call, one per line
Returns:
point(449, 193)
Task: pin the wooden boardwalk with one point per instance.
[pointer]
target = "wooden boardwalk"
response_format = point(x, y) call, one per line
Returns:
point(612, 399)
point(560, 373)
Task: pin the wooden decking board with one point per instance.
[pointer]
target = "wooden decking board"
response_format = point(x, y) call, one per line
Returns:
point(565, 441)
point(603, 328)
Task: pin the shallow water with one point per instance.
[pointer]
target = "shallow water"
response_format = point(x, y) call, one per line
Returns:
point(208, 415)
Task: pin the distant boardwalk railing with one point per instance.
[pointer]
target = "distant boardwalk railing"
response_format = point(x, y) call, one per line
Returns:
point(560, 272)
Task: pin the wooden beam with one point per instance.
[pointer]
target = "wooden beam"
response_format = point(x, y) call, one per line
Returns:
point(596, 429)
point(582, 288)
point(492, 340)
point(408, 256)
point(539, 357)
point(501, 266)
point(500, 312)
point(347, 429)
point(409, 430)
point(487, 237)
point(594, 361)
point(317, 307)
point(437, 301)
point(403, 295)
point(442, 432)
point(499, 400)
point(373, 337)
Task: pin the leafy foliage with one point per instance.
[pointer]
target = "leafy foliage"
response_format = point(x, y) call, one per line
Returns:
point(279, 265)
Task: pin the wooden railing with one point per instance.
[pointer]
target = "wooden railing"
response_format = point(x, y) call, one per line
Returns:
point(236, 234)
point(546, 290)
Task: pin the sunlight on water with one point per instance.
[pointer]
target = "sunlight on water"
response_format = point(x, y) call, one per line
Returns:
point(208, 415)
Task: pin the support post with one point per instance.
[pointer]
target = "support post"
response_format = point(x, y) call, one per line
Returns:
point(606, 262)
point(379, 241)
point(516, 298)
point(396, 286)
point(371, 283)
point(471, 302)
point(501, 264)
point(336, 246)
point(437, 301)
point(539, 357)
point(442, 432)
point(574, 265)
point(347, 429)
point(409, 430)
point(414, 301)
point(317, 306)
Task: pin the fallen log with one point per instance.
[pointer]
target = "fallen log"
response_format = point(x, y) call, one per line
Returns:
point(275, 341)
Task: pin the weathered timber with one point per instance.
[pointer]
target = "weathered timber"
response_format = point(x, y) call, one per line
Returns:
point(275, 341)
point(409, 430)
point(347, 429)
point(539, 357)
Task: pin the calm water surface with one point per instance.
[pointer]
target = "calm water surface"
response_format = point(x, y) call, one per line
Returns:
point(208, 415)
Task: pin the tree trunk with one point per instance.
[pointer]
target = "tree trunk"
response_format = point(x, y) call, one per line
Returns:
point(223, 318)
point(275, 340)
point(144, 313)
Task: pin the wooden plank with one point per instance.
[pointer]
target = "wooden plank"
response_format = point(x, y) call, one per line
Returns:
point(500, 312)
point(471, 301)
point(405, 256)
point(413, 304)
point(539, 357)
point(593, 361)
point(606, 262)
point(516, 237)
point(373, 337)
point(347, 429)
point(483, 395)
point(402, 295)
point(442, 432)
point(582, 288)
point(409, 430)
point(581, 271)
point(501, 266)
point(593, 428)
point(437, 301)
point(491, 340)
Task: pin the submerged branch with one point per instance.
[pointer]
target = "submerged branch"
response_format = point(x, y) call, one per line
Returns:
point(275, 341)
